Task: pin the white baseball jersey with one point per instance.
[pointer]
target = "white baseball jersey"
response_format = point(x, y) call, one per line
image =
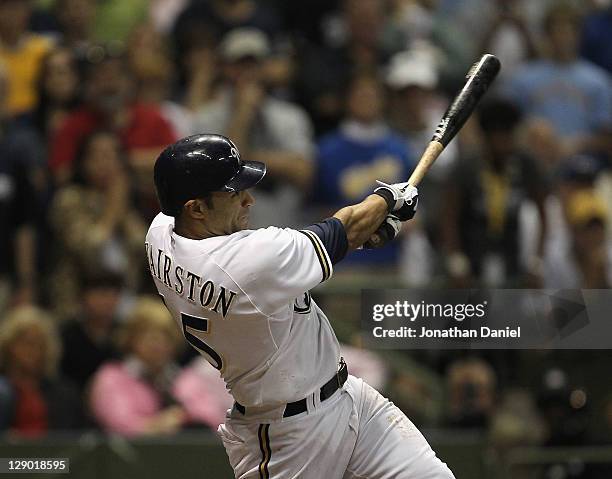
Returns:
point(242, 301)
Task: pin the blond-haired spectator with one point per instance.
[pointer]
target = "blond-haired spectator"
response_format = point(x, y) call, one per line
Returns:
point(134, 396)
point(33, 398)
point(139, 395)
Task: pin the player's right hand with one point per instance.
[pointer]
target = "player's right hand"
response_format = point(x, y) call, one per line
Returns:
point(385, 233)
point(402, 199)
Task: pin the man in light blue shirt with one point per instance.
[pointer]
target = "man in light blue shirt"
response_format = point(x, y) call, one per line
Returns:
point(573, 95)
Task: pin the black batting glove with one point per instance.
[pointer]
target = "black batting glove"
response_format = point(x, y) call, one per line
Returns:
point(386, 232)
point(402, 199)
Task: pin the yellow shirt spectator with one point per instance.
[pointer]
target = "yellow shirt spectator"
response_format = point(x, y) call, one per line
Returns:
point(23, 64)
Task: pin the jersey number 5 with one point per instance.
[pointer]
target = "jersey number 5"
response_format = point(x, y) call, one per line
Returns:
point(201, 325)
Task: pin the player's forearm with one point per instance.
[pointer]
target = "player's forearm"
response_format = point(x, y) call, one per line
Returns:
point(360, 221)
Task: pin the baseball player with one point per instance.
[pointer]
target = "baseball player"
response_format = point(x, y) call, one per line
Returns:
point(241, 298)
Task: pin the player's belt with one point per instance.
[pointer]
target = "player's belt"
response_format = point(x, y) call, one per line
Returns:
point(329, 388)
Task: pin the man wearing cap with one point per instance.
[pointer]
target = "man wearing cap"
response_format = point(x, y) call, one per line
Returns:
point(265, 128)
point(415, 107)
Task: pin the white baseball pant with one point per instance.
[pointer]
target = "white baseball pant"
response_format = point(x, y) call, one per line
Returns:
point(355, 434)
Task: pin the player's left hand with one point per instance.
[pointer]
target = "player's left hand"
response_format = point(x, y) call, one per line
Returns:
point(402, 199)
point(385, 233)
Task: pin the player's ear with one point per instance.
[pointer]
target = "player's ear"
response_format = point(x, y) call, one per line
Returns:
point(196, 209)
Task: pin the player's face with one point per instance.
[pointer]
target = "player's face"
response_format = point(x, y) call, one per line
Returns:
point(231, 210)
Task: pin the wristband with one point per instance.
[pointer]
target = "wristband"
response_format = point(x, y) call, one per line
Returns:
point(387, 196)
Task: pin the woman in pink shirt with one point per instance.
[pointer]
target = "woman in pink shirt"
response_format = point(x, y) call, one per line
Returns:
point(147, 393)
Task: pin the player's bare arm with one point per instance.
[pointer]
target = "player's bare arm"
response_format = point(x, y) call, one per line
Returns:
point(360, 221)
point(384, 210)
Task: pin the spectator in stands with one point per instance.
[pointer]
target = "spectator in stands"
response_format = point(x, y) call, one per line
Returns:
point(95, 223)
point(415, 105)
point(88, 338)
point(264, 128)
point(482, 201)
point(361, 151)
point(140, 395)
point(586, 261)
point(571, 94)
point(199, 29)
point(597, 37)
point(423, 21)
point(22, 52)
point(195, 53)
point(471, 385)
point(20, 154)
point(38, 399)
point(516, 421)
point(153, 75)
point(325, 72)
point(76, 23)
point(509, 37)
point(109, 105)
point(58, 92)
point(200, 386)
point(223, 16)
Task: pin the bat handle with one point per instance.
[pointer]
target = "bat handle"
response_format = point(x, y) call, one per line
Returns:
point(432, 152)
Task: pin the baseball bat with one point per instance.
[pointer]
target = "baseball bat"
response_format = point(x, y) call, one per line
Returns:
point(479, 78)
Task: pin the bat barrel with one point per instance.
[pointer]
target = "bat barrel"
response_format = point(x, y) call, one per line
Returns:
point(479, 78)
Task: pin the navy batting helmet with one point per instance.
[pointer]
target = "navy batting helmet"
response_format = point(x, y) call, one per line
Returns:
point(197, 165)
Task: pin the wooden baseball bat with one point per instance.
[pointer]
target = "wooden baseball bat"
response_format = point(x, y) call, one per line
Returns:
point(479, 78)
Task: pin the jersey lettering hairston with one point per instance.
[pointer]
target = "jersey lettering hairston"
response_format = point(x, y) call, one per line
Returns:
point(188, 284)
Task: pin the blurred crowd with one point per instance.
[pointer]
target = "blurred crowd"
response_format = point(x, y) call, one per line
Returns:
point(331, 95)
